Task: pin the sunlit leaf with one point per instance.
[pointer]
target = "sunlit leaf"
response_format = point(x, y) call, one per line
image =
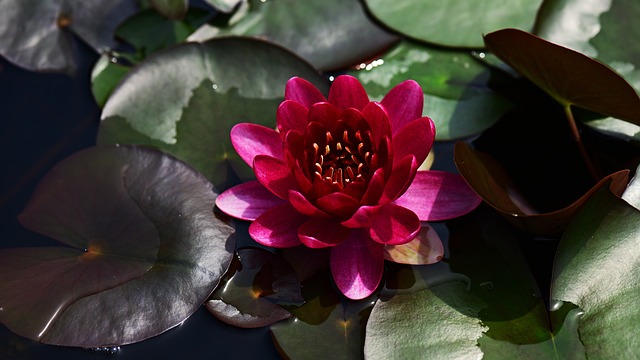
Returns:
point(106, 74)
point(35, 34)
point(206, 89)
point(142, 250)
point(172, 9)
point(331, 34)
point(456, 23)
point(225, 6)
point(454, 84)
point(597, 267)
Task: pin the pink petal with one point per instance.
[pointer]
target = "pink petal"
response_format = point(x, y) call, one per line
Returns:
point(378, 121)
point(426, 248)
point(338, 204)
point(247, 201)
point(394, 225)
point(300, 203)
point(303, 92)
point(291, 116)
point(275, 175)
point(416, 139)
point(250, 140)
point(320, 233)
point(363, 217)
point(357, 265)
point(278, 227)
point(375, 189)
point(404, 104)
point(400, 179)
point(439, 195)
point(324, 113)
point(346, 91)
point(293, 147)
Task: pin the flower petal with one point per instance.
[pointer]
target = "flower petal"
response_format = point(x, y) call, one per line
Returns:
point(403, 104)
point(378, 121)
point(338, 204)
point(320, 233)
point(291, 115)
point(247, 201)
point(324, 113)
point(438, 195)
point(416, 139)
point(346, 91)
point(400, 179)
point(357, 265)
point(375, 189)
point(300, 203)
point(394, 225)
point(363, 217)
point(426, 248)
point(275, 175)
point(303, 92)
point(250, 140)
point(278, 227)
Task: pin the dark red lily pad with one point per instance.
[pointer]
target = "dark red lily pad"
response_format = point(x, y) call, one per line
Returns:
point(494, 185)
point(568, 76)
point(141, 250)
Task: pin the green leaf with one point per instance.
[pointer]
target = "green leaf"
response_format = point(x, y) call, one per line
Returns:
point(172, 9)
point(454, 84)
point(106, 74)
point(225, 6)
point(569, 77)
point(142, 250)
point(455, 23)
point(597, 268)
point(331, 34)
point(35, 33)
point(206, 89)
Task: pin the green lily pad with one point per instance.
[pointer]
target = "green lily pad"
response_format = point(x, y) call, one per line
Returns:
point(205, 90)
point(454, 84)
point(225, 6)
point(142, 250)
point(331, 34)
point(569, 77)
point(172, 9)
point(106, 74)
point(597, 268)
point(35, 34)
point(454, 23)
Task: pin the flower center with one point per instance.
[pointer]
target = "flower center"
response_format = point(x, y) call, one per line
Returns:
point(343, 159)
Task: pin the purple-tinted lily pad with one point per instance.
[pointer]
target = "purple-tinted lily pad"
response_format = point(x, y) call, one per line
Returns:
point(141, 250)
point(494, 185)
point(568, 76)
point(35, 34)
point(250, 298)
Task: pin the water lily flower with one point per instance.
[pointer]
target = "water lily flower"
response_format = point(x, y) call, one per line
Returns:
point(343, 173)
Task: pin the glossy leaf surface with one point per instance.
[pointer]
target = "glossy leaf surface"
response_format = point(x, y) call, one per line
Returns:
point(172, 9)
point(142, 250)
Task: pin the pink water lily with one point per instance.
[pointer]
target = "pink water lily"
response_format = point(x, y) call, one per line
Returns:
point(343, 173)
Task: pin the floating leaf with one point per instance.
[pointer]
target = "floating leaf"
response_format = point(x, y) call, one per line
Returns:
point(225, 6)
point(142, 251)
point(426, 248)
point(494, 185)
point(456, 23)
point(106, 74)
point(570, 77)
point(35, 34)
point(206, 89)
point(331, 34)
point(172, 9)
point(597, 268)
point(454, 84)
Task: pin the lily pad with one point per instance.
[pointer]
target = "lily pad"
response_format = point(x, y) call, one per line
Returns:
point(206, 89)
point(172, 9)
point(494, 185)
point(454, 23)
point(454, 84)
point(35, 34)
point(569, 77)
point(225, 6)
point(331, 34)
point(106, 74)
point(141, 250)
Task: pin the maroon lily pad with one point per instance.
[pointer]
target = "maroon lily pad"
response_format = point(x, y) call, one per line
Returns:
point(494, 185)
point(141, 250)
point(568, 76)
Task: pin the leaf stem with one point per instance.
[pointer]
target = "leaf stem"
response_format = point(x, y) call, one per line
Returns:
point(576, 136)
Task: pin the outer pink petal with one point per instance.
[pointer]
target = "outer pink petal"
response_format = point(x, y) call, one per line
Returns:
point(250, 140)
point(300, 203)
point(346, 91)
point(363, 217)
point(278, 227)
point(303, 92)
point(426, 248)
point(400, 179)
point(274, 175)
point(439, 195)
point(320, 233)
point(247, 201)
point(394, 225)
point(357, 265)
point(378, 121)
point(416, 139)
point(338, 204)
point(404, 104)
point(291, 115)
